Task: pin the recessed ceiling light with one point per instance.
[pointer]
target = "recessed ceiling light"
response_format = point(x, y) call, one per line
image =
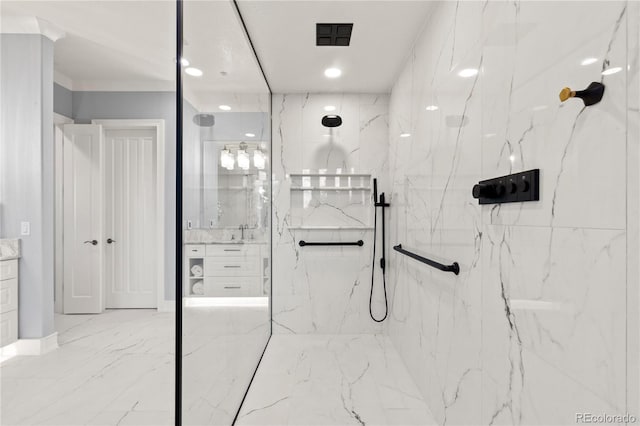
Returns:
point(195, 72)
point(589, 61)
point(332, 72)
point(468, 72)
point(405, 135)
point(612, 70)
point(329, 108)
point(250, 135)
point(432, 108)
point(225, 107)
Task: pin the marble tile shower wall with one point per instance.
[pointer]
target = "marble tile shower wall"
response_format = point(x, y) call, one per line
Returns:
point(534, 329)
point(324, 290)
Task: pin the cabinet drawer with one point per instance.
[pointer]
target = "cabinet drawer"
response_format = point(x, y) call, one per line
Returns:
point(231, 266)
point(194, 250)
point(8, 327)
point(233, 250)
point(8, 269)
point(8, 295)
point(232, 286)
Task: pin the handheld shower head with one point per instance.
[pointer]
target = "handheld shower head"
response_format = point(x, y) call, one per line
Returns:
point(375, 190)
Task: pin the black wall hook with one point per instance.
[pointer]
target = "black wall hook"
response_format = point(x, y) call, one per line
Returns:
point(590, 96)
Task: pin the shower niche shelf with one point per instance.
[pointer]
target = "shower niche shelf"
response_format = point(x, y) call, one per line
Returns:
point(331, 201)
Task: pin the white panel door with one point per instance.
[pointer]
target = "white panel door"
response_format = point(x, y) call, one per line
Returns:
point(131, 274)
point(83, 242)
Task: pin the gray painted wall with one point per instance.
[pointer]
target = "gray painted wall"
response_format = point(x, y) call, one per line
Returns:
point(26, 172)
point(62, 100)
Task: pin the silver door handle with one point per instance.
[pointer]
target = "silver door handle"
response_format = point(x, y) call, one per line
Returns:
point(232, 287)
point(231, 266)
point(109, 241)
point(92, 242)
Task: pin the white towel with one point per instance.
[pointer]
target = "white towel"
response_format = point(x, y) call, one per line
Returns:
point(197, 288)
point(196, 270)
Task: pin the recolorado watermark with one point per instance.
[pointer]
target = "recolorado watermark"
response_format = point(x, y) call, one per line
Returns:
point(604, 418)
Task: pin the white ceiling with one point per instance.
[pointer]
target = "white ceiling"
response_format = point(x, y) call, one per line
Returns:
point(283, 33)
point(130, 45)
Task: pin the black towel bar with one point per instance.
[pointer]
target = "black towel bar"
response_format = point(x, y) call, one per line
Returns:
point(455, 268)
point(303, 243)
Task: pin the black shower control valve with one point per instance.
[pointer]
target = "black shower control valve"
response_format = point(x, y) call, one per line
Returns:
point(482, 190)
point(517, 187)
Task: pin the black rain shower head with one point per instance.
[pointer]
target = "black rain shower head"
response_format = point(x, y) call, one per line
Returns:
point(204, 120)
point(331, 121)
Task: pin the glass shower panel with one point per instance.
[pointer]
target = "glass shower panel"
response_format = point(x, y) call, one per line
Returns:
point(226, 213)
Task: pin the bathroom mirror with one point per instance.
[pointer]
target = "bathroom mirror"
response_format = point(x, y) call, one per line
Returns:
point(226, 264)
point(234, 185)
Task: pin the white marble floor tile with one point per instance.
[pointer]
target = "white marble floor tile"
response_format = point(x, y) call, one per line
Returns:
point(113, 368)
point(333, 380)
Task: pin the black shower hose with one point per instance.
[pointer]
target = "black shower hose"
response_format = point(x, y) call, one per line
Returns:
point(373, 269)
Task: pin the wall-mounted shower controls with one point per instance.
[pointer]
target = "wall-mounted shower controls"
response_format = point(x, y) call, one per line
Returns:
point(518, 187)
point(590, 96)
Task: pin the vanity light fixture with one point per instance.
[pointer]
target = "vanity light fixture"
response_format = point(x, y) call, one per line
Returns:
point(224, 107)
point(258, 159)
point(468, 72)
point(611, 70)
point(432, 108)
point(588, 61)
point(250, 135)
point(332, 72)
point(226, 159)
point(405, 135)
point(243, 157)
point(194, 72)
point(330, 108)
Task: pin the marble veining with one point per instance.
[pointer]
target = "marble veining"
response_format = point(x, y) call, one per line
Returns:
point(113, 368)
point(320, 289)
point(9, 249)
point(538, 325)
point(333, 380)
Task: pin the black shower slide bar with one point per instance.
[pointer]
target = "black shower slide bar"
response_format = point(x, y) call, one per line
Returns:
point(303, 243)
point(455, 268)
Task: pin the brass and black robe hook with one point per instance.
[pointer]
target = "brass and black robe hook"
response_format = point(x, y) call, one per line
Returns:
point(590, 96)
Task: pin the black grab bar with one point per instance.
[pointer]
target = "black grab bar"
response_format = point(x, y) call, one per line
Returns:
point(455, 268)
point(303, 243)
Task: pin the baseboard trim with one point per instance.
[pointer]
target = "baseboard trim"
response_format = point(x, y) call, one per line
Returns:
point(30, 347)
point(167, 306)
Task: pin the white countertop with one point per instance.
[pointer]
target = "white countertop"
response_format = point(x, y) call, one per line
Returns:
point(9, 249)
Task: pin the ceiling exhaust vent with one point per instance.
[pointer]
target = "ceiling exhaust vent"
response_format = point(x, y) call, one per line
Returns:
point(333, 34)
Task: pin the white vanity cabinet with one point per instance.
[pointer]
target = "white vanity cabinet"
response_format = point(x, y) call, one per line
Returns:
point(8, 301)
point(221, 270)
